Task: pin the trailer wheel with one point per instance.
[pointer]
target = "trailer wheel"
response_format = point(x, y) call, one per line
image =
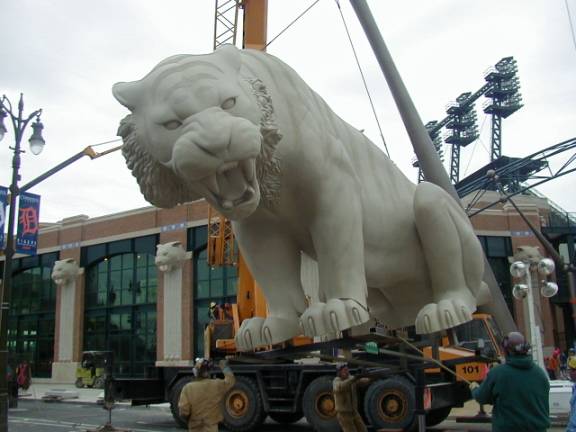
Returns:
point(174, 398)
point(99, 382)
point(437, 416)
point(243, 408)
point(286, 417)
point(318, 405)
point(390, 403)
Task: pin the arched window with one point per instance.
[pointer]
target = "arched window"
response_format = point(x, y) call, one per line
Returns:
point(120, 304)
point(217, 284)
point(32, 314)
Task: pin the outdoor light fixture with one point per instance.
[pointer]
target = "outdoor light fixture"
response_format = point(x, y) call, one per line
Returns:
point(2, 127)
point(36, 140)
point(518, 269)
point(19, 124)
point(546, 266)
point(520, 291)
point(529, 272)
point(549, 289)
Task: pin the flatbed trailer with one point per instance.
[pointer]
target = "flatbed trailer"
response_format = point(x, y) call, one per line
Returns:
point(294, 382)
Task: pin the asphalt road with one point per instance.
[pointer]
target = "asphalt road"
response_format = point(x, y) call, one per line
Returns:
point(39, 416)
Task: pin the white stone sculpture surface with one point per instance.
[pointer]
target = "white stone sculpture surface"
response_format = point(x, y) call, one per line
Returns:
point(65, 271)
point(243, 130)
point(169, 256)
point(527, 254)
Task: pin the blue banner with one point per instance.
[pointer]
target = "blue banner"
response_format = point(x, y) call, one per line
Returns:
point(28, 223)
point(3, 216)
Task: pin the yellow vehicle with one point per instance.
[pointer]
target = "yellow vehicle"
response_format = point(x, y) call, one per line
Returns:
point(92, 370)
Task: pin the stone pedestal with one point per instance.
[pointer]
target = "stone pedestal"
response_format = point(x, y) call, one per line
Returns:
point(65, 274)
point(64, 372)
point(169, 259)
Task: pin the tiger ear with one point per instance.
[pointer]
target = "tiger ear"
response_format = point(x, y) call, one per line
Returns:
point(231, 56)
point(127, 93)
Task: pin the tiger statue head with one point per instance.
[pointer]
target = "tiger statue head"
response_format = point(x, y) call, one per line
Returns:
point(199, 127)
point(64, 271)
point(169, 256)
point(527, 254)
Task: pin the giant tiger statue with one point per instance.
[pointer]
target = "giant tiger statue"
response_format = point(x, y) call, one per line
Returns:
point(241, 129)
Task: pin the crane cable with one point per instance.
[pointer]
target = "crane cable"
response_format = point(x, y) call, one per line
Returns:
point(433, 360)
point(363, 77)
point(570, 21)
point(290, 25)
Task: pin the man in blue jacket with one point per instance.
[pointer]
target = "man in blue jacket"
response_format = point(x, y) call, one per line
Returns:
point(518, 390)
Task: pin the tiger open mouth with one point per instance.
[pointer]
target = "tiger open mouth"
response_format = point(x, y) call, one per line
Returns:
point(233, 184)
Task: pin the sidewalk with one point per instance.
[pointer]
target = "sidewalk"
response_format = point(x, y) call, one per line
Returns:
point(68, 392)
point(470, 409)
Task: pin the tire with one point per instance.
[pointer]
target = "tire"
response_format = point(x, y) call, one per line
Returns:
point(174, 398)
point(243, 407)
point(79, 383)
point(99, 382)
point(437, 416)
point(286, 417)
point(390, 404)
point(318, 405)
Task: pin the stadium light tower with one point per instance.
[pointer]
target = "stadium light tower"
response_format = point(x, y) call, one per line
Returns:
point(505, 99)
point(463, 130)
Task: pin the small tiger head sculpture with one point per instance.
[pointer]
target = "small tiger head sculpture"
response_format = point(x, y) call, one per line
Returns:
point(169, 256)
point(65, 271)
point(527, 254)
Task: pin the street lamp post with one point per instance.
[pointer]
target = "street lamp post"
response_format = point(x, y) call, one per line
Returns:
point(530, 273)
point(19, 124)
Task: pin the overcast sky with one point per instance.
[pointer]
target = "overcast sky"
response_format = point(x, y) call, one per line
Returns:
point(65, 55)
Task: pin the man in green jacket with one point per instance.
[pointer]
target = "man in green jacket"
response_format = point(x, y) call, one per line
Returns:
point(518, 390)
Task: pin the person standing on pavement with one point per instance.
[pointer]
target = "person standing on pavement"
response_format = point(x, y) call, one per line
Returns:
point(346, 401)
point(552, 366)
point(563, 366)
point(572, 364)
point(518, 390)
point(201, 400)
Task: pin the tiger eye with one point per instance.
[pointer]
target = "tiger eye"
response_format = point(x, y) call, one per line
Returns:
point(229, 103)
point(172, 124)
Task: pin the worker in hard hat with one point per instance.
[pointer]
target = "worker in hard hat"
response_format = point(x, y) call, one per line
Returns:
point(346, 401)
point(518, 389)
point(201, 399)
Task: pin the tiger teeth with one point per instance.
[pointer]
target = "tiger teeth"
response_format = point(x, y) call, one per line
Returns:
point(212, 184)
point(248, 170)
point(227, 166)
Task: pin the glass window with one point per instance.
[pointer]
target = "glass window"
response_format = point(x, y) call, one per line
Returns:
point(92, 254)
point(120, 246)
point(123, 320)
point(210, 285)
point(146, 245)
point(116, 262)
point(32, 314)
point(497, 247)
point(197, 237)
